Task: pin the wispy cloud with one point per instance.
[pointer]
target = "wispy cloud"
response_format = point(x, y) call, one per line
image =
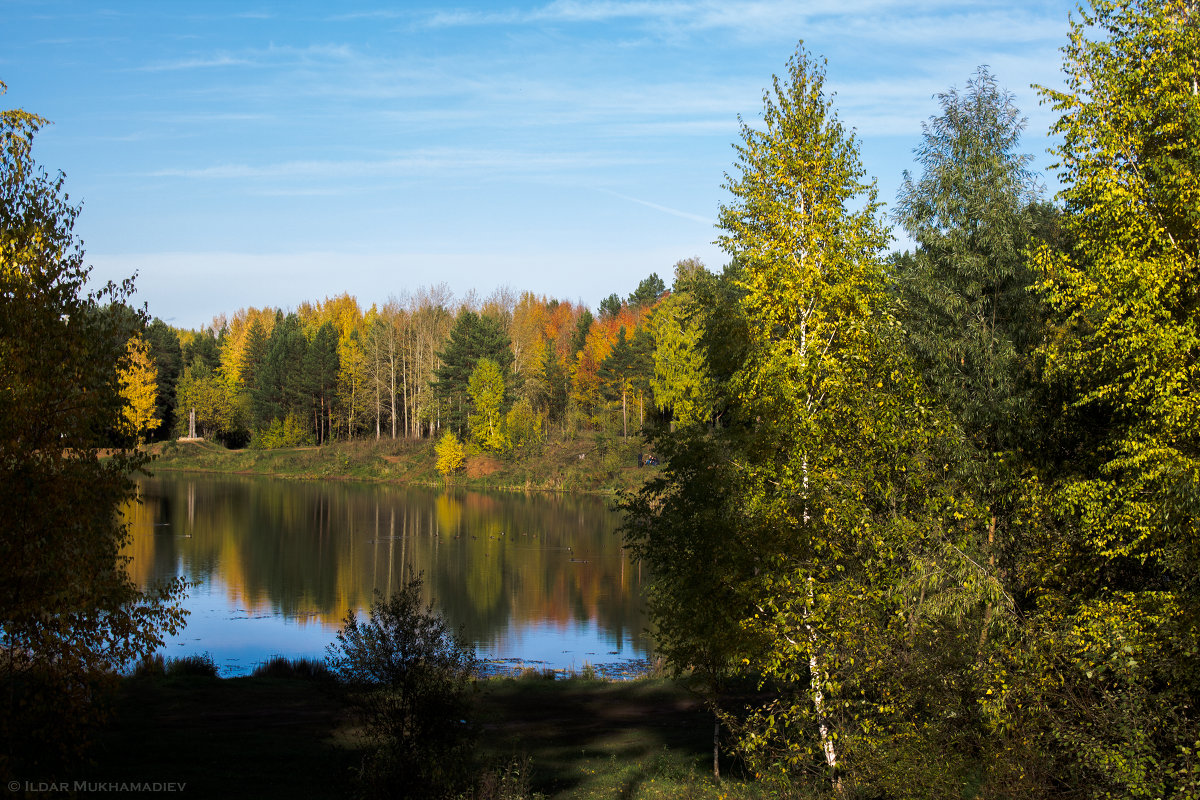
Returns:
point(210, 62)
point(434, 160)
point(665, 209)
point(889, 20)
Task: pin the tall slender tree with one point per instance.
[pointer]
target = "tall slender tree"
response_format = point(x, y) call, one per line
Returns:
point(168, 360)
point(139, 388)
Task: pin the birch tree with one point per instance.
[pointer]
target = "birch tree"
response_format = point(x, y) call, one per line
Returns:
point(824, 471)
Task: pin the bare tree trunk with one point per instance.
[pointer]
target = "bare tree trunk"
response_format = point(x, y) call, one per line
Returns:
point(624, 417)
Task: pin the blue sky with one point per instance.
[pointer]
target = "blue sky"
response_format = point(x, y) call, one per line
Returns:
point(237, 154)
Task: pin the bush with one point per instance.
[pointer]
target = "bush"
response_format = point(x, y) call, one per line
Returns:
point(410, 677)
point(286, 433)
point(450, 454)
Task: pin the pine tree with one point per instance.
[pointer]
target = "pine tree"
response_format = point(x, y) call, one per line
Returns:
point(168, 360)
point(617, 374)
point(473, 337)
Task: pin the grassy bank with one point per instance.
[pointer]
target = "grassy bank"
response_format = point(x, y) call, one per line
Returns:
point(266, 737)
point(581, 465)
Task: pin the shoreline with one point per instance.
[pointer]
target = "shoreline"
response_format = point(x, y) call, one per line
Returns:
point(601, 467)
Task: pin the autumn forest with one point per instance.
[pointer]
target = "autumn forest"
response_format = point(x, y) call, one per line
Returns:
point(922, 522)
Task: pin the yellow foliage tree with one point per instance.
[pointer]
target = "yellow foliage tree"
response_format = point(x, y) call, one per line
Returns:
point(450, 454)
point(139, 388)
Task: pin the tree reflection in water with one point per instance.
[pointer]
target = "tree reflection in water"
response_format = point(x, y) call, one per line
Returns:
point(276, 564)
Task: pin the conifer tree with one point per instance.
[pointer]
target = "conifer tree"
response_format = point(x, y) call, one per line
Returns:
point(473, 337)
point(617, 374)
point(168, 360)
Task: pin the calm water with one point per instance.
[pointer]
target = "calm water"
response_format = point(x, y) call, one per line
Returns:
point(535, 579)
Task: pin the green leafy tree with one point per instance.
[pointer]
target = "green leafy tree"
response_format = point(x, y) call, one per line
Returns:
point(825, 470)
point(69, 614)
point(1108, 686)
point(682, 381)
point(523, 426)
point(813, 284)
point(411, 676)
point(486, 422)
point(964, 294)
point(219, 413)
point(971, 324)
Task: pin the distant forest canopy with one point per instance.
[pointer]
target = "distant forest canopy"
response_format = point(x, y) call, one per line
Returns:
point(331, 370)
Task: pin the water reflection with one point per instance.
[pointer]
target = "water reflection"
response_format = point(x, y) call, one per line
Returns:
point(540, 578)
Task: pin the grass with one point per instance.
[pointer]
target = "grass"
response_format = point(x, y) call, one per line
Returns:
point(308, 669)
point(581, 465)
point(282, 735)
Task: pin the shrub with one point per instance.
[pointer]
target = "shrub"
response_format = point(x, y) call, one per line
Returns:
point(410, 677)
point(508, 782)
point(524, 425)
point(286, 433)
point(450, 454)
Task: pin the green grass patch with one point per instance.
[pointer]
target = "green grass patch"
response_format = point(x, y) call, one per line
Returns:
point(600, 465)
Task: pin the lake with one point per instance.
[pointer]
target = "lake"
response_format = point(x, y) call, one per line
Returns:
point(538, 579)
